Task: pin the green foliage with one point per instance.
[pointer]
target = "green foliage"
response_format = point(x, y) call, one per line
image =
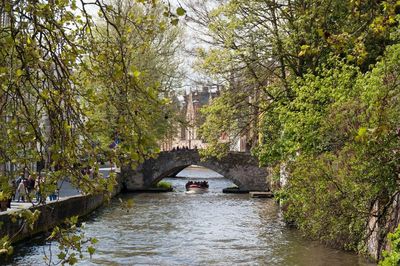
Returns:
point(392, 257)
point(339, 134)
point(70, 86)
point(180, 11)
point(319, 82)
point(325, 202)
point(222, 123)
point(4, 196)
point(260, 63)
point(72, 242)
point(164, 184)
point(5, 246)
point(130, 88)
point(303, 121)
point(126, 204)
point(26, 219)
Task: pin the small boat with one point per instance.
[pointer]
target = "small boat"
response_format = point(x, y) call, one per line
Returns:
point(196, 187)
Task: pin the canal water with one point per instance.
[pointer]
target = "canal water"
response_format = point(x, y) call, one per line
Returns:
point(194, 229)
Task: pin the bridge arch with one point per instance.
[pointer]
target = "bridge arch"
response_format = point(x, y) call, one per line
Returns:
point(241, 168)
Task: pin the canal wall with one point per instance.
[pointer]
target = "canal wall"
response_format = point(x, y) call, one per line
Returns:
point(51, 214)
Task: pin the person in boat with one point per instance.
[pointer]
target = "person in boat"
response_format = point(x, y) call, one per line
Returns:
point(188, 184)
point(201, 184)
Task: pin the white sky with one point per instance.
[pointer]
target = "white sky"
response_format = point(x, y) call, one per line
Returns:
point(190, 42)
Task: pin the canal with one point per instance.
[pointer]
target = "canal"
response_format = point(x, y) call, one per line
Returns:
point(194, 229)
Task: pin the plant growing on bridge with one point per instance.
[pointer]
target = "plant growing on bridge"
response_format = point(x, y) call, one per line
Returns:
point(164, 184)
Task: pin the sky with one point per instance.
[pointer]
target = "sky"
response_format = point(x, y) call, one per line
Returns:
point(191, 41)
point(193, 34)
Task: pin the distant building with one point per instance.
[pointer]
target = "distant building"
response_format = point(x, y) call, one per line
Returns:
point(187, 135)
point(193, 101)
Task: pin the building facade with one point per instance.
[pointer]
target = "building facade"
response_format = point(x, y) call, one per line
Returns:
point(192, 102)
point(188, 132)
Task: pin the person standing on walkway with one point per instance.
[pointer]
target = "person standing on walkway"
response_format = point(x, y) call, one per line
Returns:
point(13, 186)
point(30, 184)
point(20, 179)
point(21, 190)
point(39, 183)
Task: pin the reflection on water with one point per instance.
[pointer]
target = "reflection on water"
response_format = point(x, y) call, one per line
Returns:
point(196, 229)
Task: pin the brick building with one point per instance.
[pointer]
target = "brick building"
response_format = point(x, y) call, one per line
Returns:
point(188, 132)
point(191, 104)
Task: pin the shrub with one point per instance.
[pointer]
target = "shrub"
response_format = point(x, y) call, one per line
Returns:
point(392, 257)
point(164, 184)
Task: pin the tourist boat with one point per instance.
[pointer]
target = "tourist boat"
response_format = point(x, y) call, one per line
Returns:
point(196, 187)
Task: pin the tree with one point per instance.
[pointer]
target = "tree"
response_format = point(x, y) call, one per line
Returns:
point(325, 75)
point(49, 100)
point(131, 72)
point(259, 47)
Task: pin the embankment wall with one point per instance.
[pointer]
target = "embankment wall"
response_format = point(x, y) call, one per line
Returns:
point(51, 214)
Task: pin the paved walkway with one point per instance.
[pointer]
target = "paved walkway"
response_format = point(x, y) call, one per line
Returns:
point(67, 190)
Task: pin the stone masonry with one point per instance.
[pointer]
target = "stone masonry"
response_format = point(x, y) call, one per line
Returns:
point(241, 168)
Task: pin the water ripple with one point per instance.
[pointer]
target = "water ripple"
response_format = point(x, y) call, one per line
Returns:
point(200, 229)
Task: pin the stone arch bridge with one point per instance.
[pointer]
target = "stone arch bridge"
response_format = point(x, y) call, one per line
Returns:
point(241, 168)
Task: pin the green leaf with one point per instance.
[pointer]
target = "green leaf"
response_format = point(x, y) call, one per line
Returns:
point(72, 260)
point(362, 131)
point(19, 72)
point(180, 11)
point(91, 250)
point(61, 255)
point(136, 73)
point(175, 22)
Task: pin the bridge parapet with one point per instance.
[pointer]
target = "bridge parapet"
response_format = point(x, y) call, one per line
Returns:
point(241, 168)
